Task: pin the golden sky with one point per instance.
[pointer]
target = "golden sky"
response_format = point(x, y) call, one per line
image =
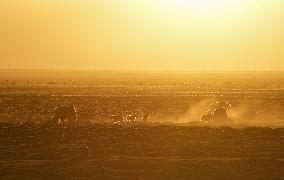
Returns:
point(187, 35)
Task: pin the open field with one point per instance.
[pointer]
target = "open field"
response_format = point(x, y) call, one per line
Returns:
point(168, 147)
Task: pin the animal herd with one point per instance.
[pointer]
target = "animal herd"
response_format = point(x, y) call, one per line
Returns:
point(129, 118)
point(217, 114)
point(67, 115)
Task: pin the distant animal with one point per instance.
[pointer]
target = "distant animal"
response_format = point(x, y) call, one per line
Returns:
point(145, 117)
point(220, 104)
point(64, 115)
point(207, 117)
point(217, 113)
point(220, 114)
point(131, 118)
point(116, 119)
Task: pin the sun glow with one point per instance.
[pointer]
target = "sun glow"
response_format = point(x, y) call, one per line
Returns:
point(208, 4)
point(188, 35)
point(203, 6)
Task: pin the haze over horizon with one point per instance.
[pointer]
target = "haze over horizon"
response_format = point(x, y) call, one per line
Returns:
point(173, 35)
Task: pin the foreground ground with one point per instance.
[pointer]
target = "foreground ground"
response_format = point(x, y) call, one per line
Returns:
point(104, 151)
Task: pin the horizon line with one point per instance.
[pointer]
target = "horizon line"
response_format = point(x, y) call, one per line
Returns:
point(142, 70)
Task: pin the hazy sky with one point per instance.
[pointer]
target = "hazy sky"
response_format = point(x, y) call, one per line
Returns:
point(188, 35)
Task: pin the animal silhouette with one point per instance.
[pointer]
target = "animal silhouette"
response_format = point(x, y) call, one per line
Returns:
point(65, 115)
point(145, 117)
point(131, 117)
point(116, 119)
point(217, 113)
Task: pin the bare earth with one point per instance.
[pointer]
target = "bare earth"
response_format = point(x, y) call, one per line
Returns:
point(168, 147)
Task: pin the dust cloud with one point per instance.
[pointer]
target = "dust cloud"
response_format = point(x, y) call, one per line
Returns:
point(195, 111)
point(243, 113)
point(253, 113)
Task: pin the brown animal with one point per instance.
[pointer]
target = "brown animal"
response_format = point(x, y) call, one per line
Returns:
point(116, 119)
point(131, 118)
point(145, 117)
point(207, 117)
point(217, 113)
point(65, 115)
point(220, 114)
point(220, 104)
